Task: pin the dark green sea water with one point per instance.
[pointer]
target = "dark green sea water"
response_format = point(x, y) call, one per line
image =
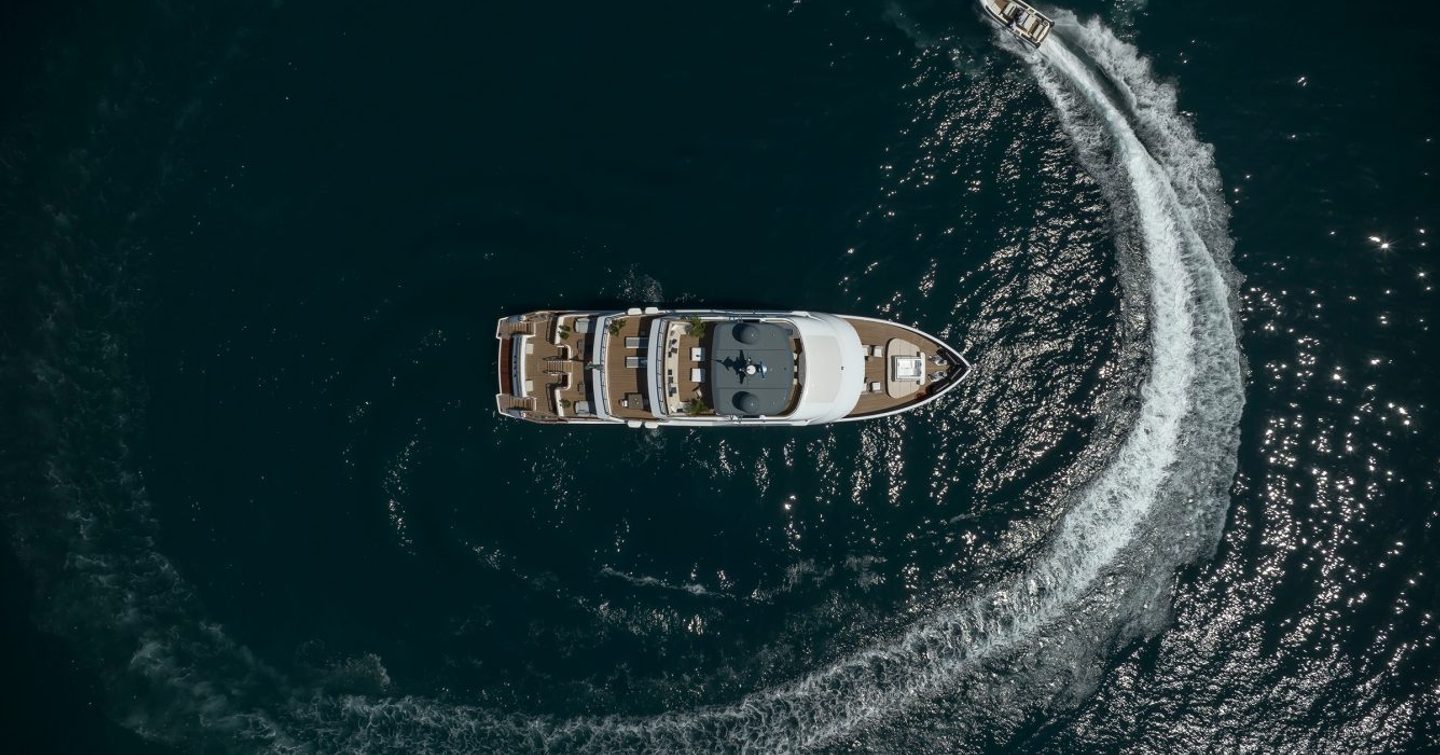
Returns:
point(257, 499)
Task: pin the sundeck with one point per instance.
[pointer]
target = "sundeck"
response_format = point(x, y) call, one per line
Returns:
point(1020, 18)
point(710, 368)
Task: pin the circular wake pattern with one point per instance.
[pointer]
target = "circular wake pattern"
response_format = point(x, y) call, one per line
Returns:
point(1103, 577)
point(1032, 633)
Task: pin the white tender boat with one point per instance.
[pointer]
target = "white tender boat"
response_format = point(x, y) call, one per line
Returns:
point(715, 368)
point(1020, 18)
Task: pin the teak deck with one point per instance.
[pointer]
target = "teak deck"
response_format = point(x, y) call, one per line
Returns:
point(620, 380)
point(874, 333)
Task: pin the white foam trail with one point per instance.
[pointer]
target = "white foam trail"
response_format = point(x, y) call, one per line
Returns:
point(1096, 576)
point(659, 584)
point(1095, 579)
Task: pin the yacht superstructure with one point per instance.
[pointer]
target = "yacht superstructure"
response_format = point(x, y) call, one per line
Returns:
point(715, 368)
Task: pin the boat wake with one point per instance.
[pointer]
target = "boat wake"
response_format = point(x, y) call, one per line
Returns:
point(1105, 575)
point(1103, 578)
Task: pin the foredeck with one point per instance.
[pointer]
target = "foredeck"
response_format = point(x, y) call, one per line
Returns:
point(879, 394)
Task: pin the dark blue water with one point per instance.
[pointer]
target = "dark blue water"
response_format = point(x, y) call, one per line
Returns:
point(258, 500)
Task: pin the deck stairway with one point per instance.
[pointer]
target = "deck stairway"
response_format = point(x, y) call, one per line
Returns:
point(515, 328)
point(507, 403)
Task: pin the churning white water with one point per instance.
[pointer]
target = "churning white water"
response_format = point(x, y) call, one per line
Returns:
point(1107, 570)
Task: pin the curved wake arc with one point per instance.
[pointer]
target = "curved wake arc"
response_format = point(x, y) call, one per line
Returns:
point(1105, 572)
point(1157, 505)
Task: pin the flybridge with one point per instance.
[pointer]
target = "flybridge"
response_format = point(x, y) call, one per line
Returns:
point(753, 369)
point(708, 368)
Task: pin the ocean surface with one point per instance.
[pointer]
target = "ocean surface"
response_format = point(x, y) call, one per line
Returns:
point(256, 497)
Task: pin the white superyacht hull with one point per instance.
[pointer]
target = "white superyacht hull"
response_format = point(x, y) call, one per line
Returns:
point(657, 367)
